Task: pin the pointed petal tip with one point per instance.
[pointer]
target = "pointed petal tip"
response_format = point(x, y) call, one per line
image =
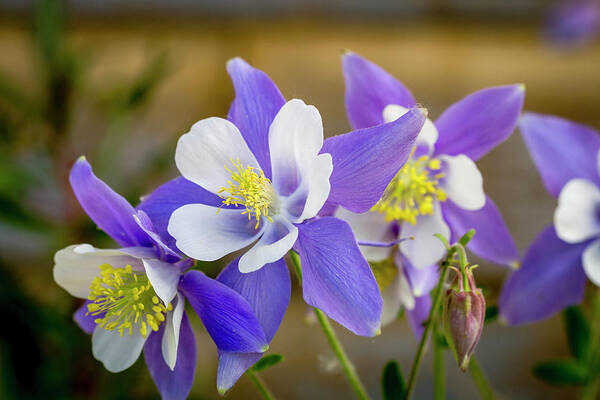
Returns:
point(377, 331)
point(82, 158)
point(264, 348)
point(515, 264)
point(222, 391)
point(521, 87)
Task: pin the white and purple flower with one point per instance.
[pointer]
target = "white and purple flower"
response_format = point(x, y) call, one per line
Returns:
point(554, 269)
point(136, 294)
point(260, 179)
point(438, 190)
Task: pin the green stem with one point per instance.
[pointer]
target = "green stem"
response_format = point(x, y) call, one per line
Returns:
point(483, 386)
point(428, 326)
point(261, 386)
point(334, 343)
point(336, 346)
point(590, 390)
point(439, 372)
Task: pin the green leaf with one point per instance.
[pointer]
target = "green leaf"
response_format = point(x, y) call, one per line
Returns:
point(561, 373)
point(267, 362)
point(578, 332)
point(392, 383)
point(491, 313)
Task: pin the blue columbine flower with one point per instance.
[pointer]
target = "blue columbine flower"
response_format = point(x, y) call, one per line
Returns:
point(259, 179)
point(438, 190)
point(573, 22)
point(553, 272)
point(136, 294)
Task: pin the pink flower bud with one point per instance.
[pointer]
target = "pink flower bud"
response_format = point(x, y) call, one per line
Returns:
point(464, 313)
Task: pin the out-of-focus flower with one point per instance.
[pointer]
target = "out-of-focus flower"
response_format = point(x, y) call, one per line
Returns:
point(136, 294)
point(464, 315)
point(573, 22)
point(438, 190)
point(260, 178)
point(553, 272)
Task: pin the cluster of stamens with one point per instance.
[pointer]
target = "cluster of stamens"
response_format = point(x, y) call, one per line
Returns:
point(127, 300)
point(251, 189)
point(413, 191)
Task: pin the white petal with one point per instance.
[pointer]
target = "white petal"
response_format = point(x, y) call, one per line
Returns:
point(426, 249)
point(577, 217)
point(369, 227)
point(295, 139)
point(77, 265)
point(203, 234)
point(429, 133)
point(116, 352)
point(308, 199)
point(164, 278)
point(463, 182)
point(170, 341)
point(278, 238)
point(204, 152)
point(391, 301)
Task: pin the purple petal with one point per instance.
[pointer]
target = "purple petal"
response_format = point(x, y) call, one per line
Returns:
point(268, 292)
point(561, 149)
point(551, 278)
point(369, 89)
point(492, 240)
point(419, 314)
point(336, 277)
point(479, 122)
point(421, 280)
point(85, 322)
point(366, 160)
point(232, 366)
point(108, 209)
point(165, 252)
point(226, 315)
point(257, 101)
point(176, 384)
point(160, 204)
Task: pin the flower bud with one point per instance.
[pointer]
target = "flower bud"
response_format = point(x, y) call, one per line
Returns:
point(464, 313)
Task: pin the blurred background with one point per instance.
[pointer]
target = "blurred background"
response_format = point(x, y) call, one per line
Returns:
point(120, 81)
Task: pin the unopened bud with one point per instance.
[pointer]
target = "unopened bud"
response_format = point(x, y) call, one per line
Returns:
point(464, 314)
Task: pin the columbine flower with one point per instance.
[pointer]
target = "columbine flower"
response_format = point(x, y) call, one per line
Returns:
point(259, 179)
point(438, 190)
point(573, 22)
point(553, 272)
point(135, 294)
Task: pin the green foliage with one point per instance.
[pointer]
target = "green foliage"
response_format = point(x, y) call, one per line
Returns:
point(561, 373)
point(578, 332)
point(267, 362)
point(392, 382)
point(491, 313)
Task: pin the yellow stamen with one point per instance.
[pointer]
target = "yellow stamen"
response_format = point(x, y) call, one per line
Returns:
point(413, 191)
point(251, 189)
point(122, 295)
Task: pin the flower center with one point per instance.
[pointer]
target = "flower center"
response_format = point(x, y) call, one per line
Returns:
point(250, 189)
point(127, 300)
point(413, 191)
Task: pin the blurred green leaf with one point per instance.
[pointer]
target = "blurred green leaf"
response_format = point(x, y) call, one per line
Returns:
point(491, 313)
point(578, 332)
point(392, 382)
point(561, 373)
point(267, 362)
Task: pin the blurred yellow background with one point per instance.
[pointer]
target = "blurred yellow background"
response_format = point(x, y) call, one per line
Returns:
point(440, 51)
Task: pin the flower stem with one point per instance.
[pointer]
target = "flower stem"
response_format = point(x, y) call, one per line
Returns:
point(261, 386)
point(590, 390)
point(483, 386)
point(439, 372)
point(428, 327)
point(336, 346)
